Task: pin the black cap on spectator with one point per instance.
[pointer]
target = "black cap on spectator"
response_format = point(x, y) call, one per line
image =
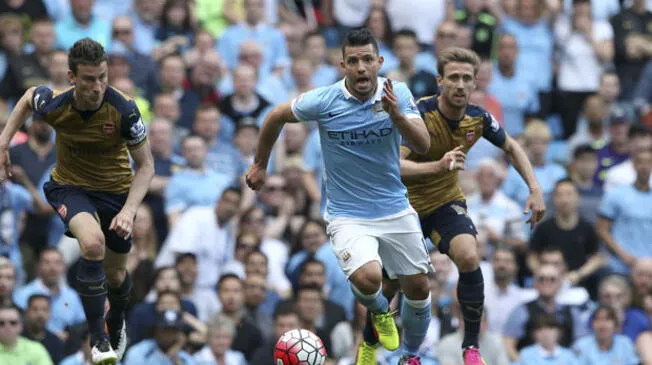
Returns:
point(247, 123)
point(618, 116)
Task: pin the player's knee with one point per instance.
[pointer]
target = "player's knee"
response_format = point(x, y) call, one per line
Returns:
point(417, 287)
point(92, 246)
point(115, 276)
point(468, 260)
point(367, 279)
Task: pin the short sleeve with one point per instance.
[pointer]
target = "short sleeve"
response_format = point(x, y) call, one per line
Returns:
point(492, 130)
point(40, 100)
point(134, 131)
point(609, 207)
point(406, 100)
point(22, 200)
point(309, 106)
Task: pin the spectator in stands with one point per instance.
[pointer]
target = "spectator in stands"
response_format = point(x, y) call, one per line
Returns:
point(301, 73)
point(633, 48)
point(445, 36)
point(269, 86)
point(639, 138)
point(610, 93)
point(37, 316)
point(7, 281)
point(245, 141)
point(204, 299)
point(501, 294)
point(255, 289)
point(256, 264)
point(83, 356)
point(245, 243)
point(294, 141)
point(498, 217)
point(585, 45)
point(567, 231)
point(277, 252)
point(324, 74)
point(421, 82)
point(379, 24)
point(293, 171)
point(447, 350)
point(145, 14)
point(595, 114)
point(166, 163)
point(196, 185)
point(222, 156)
point(200, 87)
point(512, 86)
point(310, 306)
point(58, 70)
point(166, 106)
point(536, 140)
point(176, 27)
point(140, 262)
point(517, 330)
point(569, 292)
point(230, 290)
point(477, 15)
point(166, 346)
point(142, 316)
point(29, 11)
point(80, 23)
point(275, 53)
point(66, 306)
point(143, 69)
point(547, 332)
point(221, 331)
point(203, 43)
point(581, 171)
point(11, 42)
point(285, 319)
point(245, 105)
point(641, 278)
point(605, 346)
point(617, 149)
point(207, 232)
point(616, 293)
point(15, 349)
point(30, 69)
point(624, 222)
point(279, 207)
point(171, 82)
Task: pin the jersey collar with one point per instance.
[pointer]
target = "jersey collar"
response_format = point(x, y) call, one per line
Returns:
point(377, 96)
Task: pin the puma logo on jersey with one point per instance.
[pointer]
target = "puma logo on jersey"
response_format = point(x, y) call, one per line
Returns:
point(459, 210)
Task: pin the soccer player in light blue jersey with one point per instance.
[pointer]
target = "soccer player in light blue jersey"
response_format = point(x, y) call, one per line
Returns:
point(362, 120)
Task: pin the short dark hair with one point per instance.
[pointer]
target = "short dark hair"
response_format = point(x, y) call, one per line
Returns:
point(314, 33)
point(408, 33)
point(226, 277)
point(34, 297)
point(611, 313)
point(307, 287)
point(184, 255)
point(637, 130)
point(545, 320)
point(311, 260)
point(359, 38)
point(49, 249)
point(284, 308)
point(232, 189)
point(190, 136)
point(257, 252)
point(168, 292)
point(583, 149)
point(565, 180)
point(85, 52)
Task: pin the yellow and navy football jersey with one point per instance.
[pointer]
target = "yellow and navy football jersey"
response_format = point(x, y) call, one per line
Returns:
point(427, 193)
point(92, 145)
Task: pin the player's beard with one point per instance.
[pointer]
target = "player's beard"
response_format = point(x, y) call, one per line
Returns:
point(458, 101)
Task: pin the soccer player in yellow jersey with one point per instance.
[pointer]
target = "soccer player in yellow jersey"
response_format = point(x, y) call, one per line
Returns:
point(93, 187)
point(431, 178)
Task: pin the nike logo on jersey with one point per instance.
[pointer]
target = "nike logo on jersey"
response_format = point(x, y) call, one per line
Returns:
point(332, 115)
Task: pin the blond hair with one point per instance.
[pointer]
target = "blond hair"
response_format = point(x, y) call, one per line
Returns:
point(221, 322)
point(457, 54)
point(537, 128)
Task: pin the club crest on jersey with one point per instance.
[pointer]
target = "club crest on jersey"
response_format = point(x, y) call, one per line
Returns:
point(108, 129)
point(378, 107)
point(470, 136)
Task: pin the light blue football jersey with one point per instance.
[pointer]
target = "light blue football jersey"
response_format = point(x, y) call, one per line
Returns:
point(360, 146)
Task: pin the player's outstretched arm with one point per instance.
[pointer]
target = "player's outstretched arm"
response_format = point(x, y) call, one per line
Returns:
point(272, 126)
point(535, 202)
point(16, 119)
point(452, 160)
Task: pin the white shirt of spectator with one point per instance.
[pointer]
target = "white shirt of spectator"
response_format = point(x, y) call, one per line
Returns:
point(197, 232)
point(500, 213)
point(277, 254)
point(421, 16)
point(351, 13)
point(621, 174)
point(579, 65)
point(231, 357)
point(500, 304)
